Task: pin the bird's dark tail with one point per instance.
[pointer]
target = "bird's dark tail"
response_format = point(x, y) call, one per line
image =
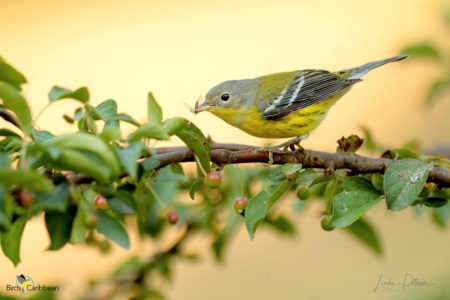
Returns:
point(358, 72)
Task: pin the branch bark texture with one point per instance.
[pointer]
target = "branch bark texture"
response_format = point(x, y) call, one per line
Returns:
point(223, 154)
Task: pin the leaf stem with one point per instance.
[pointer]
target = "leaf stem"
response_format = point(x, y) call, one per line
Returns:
point(150, 188)
point(40, 113)
point(331, 198)
point(200, 165)
point(23, 158)
point(242, 181)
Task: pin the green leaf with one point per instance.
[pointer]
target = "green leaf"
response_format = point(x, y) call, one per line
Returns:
point(194, 187)
point(83, 162)
point(68, 119)
point(15, 102)
point(41, 136)
point(224, 236)
point(57, 200)
point(436, 160)
point(128, 157)
point(356, 196)
point(259, 205)
point(377, 181)
point(435, 202)
point(306, 177)
point(318, 189)
point(4, 164)
point(113, 229)
point(356, 183)
point(123, 202)
point(149, 130)
point(110, 132)
point(275, 175)
point(154, 112)
point(349, 144)
point(174, 125)
point(92, 112)
point(280, 224)
point(149, 164)
point(441, 215)
point(59, 227)
point(27, 179)
point(79, 113)
point(198, 143)
point(11, 240)
point(108, 110)
point(437, 89)
point(7, 132)
point(398, 154)
point(78, 229)
point(365, 233)
point(90, 146)
point(422, 49)
point(58, 93)
point(128, 119)
point(403, 182)
point(5, 223)
point(10, 75)
point(167, 173)
point(289, 169)
point(11, 143)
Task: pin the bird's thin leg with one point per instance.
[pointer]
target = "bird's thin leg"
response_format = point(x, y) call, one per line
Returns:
point(291, 144)
point(287, 145)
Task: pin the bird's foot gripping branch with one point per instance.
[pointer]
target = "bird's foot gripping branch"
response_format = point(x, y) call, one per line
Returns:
point(89, 183)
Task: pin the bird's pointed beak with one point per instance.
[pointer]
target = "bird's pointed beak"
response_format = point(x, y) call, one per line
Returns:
point(203, 107)
point(199, 107)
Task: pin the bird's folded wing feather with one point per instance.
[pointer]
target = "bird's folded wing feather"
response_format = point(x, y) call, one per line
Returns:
point(307, 87)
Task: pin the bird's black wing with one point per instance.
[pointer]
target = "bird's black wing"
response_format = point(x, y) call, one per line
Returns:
point(306, 88)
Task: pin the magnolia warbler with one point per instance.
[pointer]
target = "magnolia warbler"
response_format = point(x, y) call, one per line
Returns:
point(282, 105)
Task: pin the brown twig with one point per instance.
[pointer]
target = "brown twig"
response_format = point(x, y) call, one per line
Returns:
point(222, 154)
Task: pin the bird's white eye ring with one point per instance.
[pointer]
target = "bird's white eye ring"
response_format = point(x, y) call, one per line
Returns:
point(225, 97)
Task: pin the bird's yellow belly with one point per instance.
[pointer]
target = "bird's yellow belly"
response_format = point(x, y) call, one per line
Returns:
point(295, 124)
point(292, 125)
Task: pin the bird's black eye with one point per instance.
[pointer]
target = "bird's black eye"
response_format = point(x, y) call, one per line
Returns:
point(225, 97)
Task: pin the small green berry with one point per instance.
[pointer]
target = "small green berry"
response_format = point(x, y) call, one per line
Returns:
point(104, 246)
point(325, 223)
point(302, 192)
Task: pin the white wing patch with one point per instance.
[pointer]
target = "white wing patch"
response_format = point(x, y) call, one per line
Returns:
point(299, 81)
point(276, 101)
point(297, 90)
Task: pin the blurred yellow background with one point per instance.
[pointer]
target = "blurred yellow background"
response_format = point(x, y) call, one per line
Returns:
point(180, 49)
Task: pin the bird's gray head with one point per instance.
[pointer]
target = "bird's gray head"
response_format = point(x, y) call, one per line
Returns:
point(232, 94)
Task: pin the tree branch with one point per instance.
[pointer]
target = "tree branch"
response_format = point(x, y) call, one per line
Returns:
point(223, 154)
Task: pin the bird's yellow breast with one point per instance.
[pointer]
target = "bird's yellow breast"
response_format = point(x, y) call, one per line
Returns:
point(295, 124)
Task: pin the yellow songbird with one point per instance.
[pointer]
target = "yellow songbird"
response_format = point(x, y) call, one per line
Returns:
point(282, 105)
